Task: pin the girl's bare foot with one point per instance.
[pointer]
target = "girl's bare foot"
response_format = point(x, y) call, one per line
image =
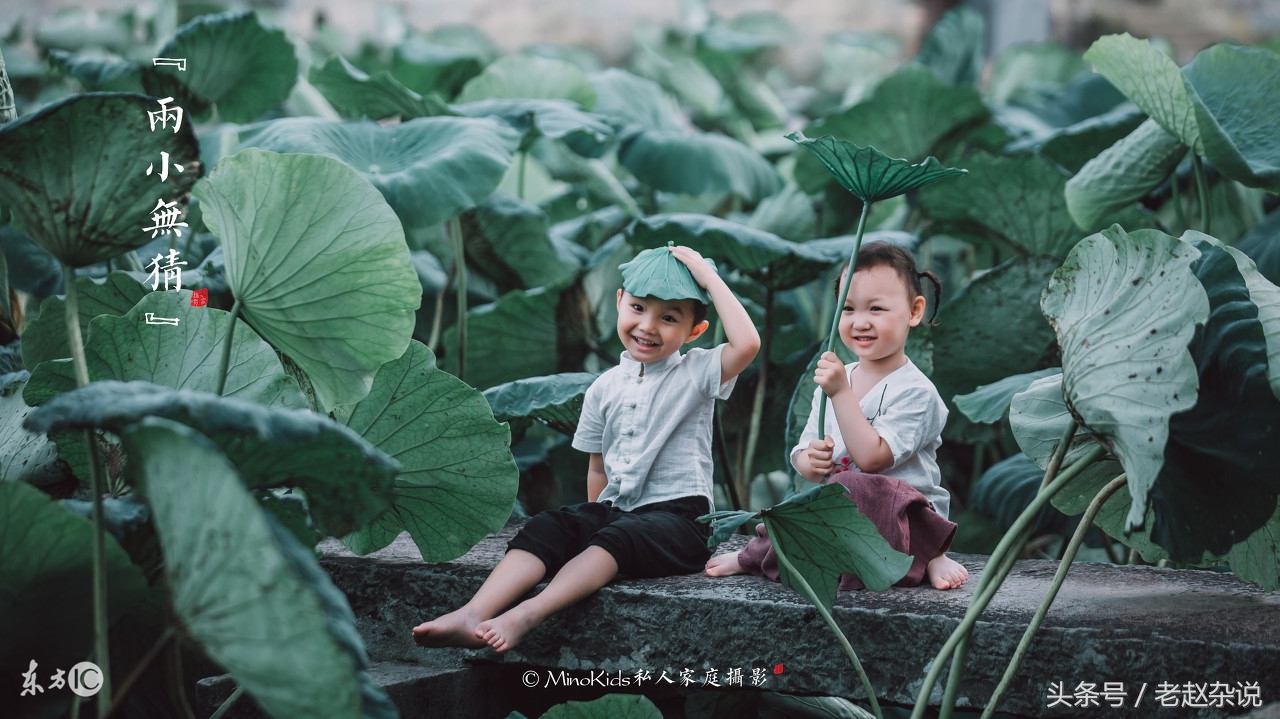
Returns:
point(724, 565)
point(507, 630)
point(946, 573)
point(455, 629)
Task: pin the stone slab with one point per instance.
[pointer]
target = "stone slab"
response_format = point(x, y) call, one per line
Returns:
point(1132, 625)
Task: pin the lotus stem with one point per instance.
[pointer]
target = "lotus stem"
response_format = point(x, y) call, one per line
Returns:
point(1063, 567)
point(1003, 558)
point(460, 264)
point(101, 644)
point(226, 705)
point(524, 159)
point(168, 634)
point(834, 334)
point(1202, 185)
point(802, 586)
point(757, 402)
point(226, 348)
point(437, 318)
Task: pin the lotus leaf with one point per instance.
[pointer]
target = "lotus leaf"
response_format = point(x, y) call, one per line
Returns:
point(586, 134)
point(429, 169)
point(1124, 308)
point(869, 174)
point(431, 67)
point(1152, 80)
point(656, 272)
point(507, 240)
point(45, 337)
point(554, 400)
point(25, 456)
point(1122, 175)
point(610, 706)
point(355, 93)
point(242, 585)
point(955, 48)
point(318, 262)
point(530, 77)
point(458, 480)
point(636, 102)
point(1238, 95)
point(77, 185)
point(696, 164)
point(989, 402)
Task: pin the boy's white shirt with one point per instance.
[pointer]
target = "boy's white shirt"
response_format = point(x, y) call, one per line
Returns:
point(654, 431)
point(909, 419)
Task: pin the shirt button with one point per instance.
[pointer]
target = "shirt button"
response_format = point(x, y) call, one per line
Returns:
point(639, 380)
point(632, 405)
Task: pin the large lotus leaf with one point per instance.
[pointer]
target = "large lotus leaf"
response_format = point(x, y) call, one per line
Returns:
point(955, 48)
point(587, 134)
point(685, 76)
point(549, 328)
point(78, 185)
point(867, 173)
point(988, 403)
point(609, 706)
point(1087, 95)
point(554, 400)
point(235, 581)
point(25, 456)
point(530, 76)
point(909, 115)
point(99, 72)
point(32, 269)
point(824, 535)
point(318, 261)
point(1007, 488)
point(46, 567)
point(1073, 146)
point(429, 169)
point(1262, 245)
point(233, 62)
point(458, 479)
point(631, 100)
point(45, 337)
point(1218, 484)
point(357, 94)
point(1152, 80)
point(1038, 417)
point(990, 331)
point(1124, 308)
point(591, 176)
point(656, 272)
point(1017, 200)
point(1032, 63)
point(1238, 93)
point(762, 255)
point(185, 356)
point(1123, 174)
point(508, 241)
point(790, 214)
point(428, 67)
point(1255, 560)
point(347, 481)
point(696, 164)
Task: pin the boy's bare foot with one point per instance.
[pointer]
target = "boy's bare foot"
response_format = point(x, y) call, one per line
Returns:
point(506, 630)
point(946, 573)
point(455, 629)
point(724, 565)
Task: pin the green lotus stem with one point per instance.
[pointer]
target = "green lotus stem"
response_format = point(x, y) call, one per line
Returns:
point(437, 316)
point(1202, 185)
point(834, 334)
point(101, 645)
point(524, 158)
point(226, 705)
point(1003, 559)
point(804, 588)
point(460, 263)
point(757, 402)
point(169, 633)
point(226, 348)
point(1059, 576)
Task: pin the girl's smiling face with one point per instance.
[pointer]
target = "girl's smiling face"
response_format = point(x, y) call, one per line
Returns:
point(878, 312)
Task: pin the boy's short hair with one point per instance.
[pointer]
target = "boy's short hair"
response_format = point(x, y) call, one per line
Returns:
point(699, 312)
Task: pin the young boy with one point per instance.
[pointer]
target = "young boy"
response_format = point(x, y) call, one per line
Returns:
point(647, 425)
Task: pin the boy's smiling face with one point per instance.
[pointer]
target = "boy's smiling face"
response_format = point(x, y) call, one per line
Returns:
point(652, 329)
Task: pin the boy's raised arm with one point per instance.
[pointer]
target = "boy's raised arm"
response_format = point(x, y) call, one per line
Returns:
point(744, 340)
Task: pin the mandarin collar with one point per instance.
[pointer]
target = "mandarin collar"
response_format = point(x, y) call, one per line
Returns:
point(632, 366)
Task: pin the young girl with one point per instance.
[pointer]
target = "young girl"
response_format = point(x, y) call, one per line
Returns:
point(887, 420)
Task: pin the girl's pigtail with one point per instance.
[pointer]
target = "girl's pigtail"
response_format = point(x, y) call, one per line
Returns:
point(937, 294)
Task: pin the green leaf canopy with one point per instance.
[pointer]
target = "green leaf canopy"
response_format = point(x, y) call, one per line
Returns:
point(357, 94)
point(458, 479)
point(508, 241)
point(429, 169)
point(955, 48)
point(1124, 307)
point(824, 535)
point(1123, 174)
point(867, 173)
point(988, 403)
point(183, 357)
point(554, 400)
point(46, 566)
point(233, 62)
point(530, 76)
point(319, 263)
point(1238, 93)
point(699, 163)
point(45, 337)
point(78, 184)
point(241, 585)
point(347, 481)
point(25, 456)
point(1152, 80)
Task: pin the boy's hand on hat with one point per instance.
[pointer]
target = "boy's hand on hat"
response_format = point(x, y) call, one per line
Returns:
point(830, 374)
point(820, 454)
point(698, 266)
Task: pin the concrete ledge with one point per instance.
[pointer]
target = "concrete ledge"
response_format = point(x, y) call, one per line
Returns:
point(1135, 625)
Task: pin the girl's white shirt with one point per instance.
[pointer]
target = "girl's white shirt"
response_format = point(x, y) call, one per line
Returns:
point(906, 410)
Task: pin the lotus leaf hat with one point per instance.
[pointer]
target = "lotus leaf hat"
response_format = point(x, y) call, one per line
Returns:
point(657, 273)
